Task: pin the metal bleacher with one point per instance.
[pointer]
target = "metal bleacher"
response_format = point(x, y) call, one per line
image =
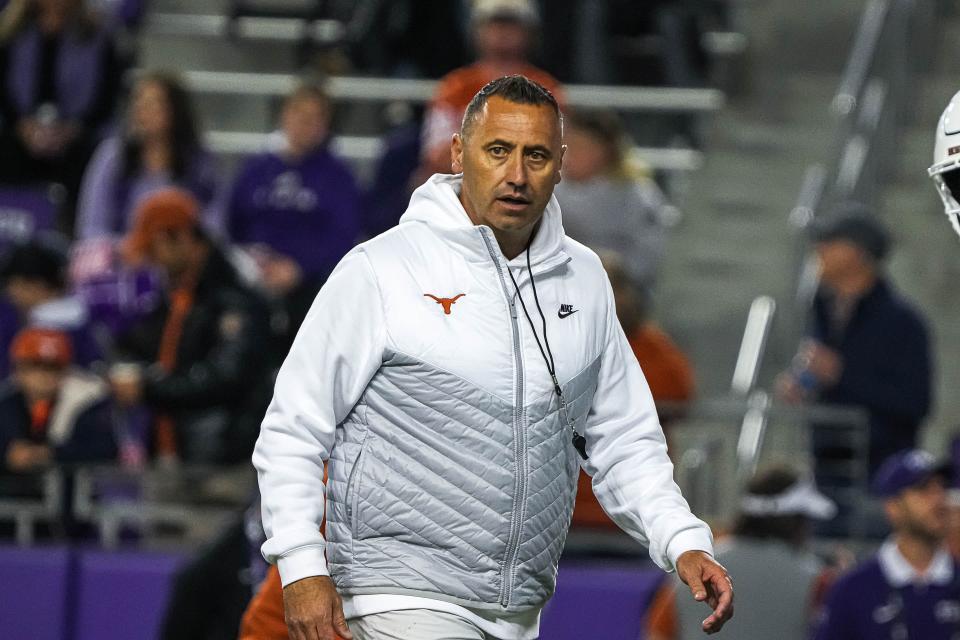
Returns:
point(224, 58)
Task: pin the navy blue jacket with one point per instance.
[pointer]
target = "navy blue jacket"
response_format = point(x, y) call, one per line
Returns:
point(885, 349)
point(863, 606)
point(91, 440)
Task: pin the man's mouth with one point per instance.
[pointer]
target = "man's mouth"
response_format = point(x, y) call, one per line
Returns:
point(513, 202)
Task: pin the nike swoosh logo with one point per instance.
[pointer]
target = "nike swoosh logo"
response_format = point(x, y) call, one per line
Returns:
point(562, 314)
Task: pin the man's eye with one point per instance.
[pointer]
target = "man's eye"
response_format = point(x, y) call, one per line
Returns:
point(498, 151)
point(536, 155)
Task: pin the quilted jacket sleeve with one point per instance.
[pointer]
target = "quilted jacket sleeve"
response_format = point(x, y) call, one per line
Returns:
point(337, 351)
point(632, 475)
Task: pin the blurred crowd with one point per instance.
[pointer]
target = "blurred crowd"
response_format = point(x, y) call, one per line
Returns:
point(144, 321)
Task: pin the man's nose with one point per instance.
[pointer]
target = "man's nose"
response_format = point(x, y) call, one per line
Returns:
point(517, 172)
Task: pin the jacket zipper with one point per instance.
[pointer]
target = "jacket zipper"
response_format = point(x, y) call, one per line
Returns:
point(519, 441)
point(350, 498)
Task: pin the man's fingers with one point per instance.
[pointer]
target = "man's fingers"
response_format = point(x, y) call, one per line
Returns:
point(340, 623)
point(722, 603)
point(696, 588)
point(304, 631)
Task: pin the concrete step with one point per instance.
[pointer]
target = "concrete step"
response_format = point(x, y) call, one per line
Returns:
point(185, 53)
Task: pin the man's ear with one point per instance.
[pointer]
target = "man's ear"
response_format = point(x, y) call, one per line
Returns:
point(456, 153)
point(558, 171)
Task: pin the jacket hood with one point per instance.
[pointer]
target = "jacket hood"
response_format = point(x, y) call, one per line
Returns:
point(436, 203)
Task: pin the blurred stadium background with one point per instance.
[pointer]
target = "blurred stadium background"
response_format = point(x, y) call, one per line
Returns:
point(747, 118)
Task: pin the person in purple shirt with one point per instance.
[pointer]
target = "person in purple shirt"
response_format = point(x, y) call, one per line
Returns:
point(59, 77)
point(910, 590)
point(296, 209)
point(159, 147)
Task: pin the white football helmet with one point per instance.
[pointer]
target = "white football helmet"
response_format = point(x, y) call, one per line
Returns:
point(946, 161)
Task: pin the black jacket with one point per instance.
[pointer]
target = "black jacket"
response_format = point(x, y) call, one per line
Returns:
point(218, 391)
point(887, 369)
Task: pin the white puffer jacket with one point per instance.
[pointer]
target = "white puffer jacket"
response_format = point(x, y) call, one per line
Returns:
point(451, 473)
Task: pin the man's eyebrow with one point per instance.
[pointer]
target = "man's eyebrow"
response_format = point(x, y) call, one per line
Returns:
point(499, 142)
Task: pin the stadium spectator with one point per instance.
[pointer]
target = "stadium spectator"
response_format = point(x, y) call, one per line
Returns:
point(503, 35)
point(867, 346)
point(203, 345)
point(779, 582)
point(160, 146)
point(59, 77)
point(264, 619)
point(296, 209)
point(911, 587)
point(35, 293)
point(668, 372)
point(51, 412)
point(608, 204)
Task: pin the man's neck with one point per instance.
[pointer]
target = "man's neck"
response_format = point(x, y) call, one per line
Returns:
point(156, 154)
point(917, 551)
point(512, 244)
point(191, 273)
point(502, 64)
point(855, 285)
point(294, 152)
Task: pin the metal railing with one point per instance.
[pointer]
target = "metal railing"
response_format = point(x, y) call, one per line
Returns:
point(870, 105)
point(194, 501)
point(718, 443)
point(753, 345)
point(360, 89)
point(368, 149)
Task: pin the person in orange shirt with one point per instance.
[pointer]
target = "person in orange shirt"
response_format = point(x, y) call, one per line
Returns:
point(667, 369)
point(263, 619)
point(668, 372)
point(504, 32)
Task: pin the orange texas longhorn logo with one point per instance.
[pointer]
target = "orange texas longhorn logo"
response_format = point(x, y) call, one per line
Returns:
point(445, 302)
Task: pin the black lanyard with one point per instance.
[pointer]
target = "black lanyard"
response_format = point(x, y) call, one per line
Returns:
point(579, 442)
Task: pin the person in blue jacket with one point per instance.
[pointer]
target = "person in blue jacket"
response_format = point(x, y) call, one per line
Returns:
point(910, 590)
point(51, 412)
point(867, 346)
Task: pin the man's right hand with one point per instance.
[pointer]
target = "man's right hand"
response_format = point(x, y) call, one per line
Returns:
point(313, 610)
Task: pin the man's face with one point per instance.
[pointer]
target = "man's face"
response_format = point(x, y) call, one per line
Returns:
point(510, 160)
point(37, 380)
point(588, 156)
point(502, 40)
point(838, 259)
point(171, 251)
point(27, 293)
point(305, 122)
point(921, 511)
point(150, 110)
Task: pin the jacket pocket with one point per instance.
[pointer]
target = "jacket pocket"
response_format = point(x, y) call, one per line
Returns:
point(353, 491)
